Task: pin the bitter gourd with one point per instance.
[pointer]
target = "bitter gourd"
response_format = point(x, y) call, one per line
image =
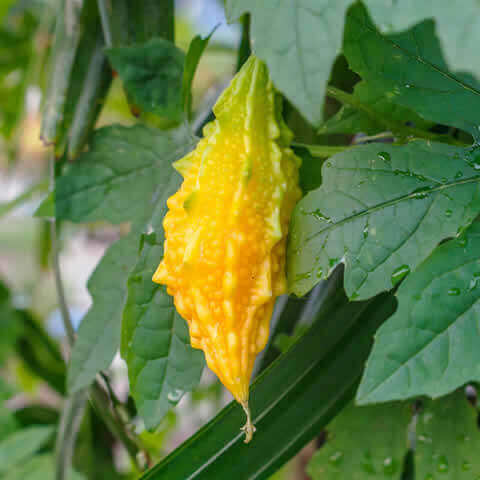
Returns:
point(226, 228)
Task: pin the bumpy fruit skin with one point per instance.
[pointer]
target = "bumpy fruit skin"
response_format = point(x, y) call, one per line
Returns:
point(226, 228)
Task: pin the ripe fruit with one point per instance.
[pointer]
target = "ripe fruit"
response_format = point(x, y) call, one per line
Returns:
point(226, 228)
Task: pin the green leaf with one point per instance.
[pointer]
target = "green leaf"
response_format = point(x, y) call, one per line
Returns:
point(448, 440)
point(39, 467)
point(125, 174)
point(299, 42)
point(371, 112)
point(9, 325)
point(429, 347)
point(132, 21)
point(458, 28)
point(364, 443)
point(152, 74)
point(118, 179)
point(22, 444)
point(310, 170)
point(192, 58)
point(291, 401)
point(155, 340)
point(39, 352)
point(381, 210)
point(99, 333)
point(410, 70)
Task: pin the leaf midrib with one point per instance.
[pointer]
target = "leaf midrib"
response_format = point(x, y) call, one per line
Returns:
point(390, 203)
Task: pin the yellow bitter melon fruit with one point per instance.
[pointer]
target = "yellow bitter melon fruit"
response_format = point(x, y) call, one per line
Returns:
point(226, 228)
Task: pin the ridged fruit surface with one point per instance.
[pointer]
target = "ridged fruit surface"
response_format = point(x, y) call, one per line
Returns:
point(226, 228)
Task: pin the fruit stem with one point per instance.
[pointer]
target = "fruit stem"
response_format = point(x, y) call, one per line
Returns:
point(249, 427)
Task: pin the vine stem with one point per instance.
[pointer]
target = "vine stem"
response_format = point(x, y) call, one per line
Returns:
point(67, 320)
point(104, 19)
point(402, 131)
point(322, 151)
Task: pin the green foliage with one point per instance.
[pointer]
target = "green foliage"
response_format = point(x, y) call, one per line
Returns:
point(409, 69)
point(151, 73)
point(429, 347)
point(21, 444)
point(120, 179)
point(155, 340)
point(448, 439)
point(429, 191)
point(364, 443)
point(192, 58)
point(369, 111)
point(400, 213)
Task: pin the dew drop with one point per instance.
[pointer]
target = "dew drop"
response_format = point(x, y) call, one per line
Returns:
point(320, 216)
point(336, 458)
point(442, 464)
point(328, 164)
point(407, 85)
point(365, 231)
point(175, 395)
point(459, 174)
point(399, 274)
point(454, 292)
point(319, 273)
point(385, 156)
point(389, 466)
point(448, 212)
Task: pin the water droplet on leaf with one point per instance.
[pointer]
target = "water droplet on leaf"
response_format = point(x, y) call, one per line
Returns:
point(385, 156)
point(454, 292)
point(399, 274)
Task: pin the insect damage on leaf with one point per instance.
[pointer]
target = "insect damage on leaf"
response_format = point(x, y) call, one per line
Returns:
point(226, 229)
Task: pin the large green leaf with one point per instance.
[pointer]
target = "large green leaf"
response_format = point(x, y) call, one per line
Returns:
point(155, 341)
point(22, 444)
point(291, 401)
point(152, 74)
point(409, 68)
point(458, 28)
point(118, 179)
point(364, 443)
point(123, 176)
point(299, 42)
point(99, 333)
point(370, 112)
point(448, 440)
point(430, 346)
point(381, 210)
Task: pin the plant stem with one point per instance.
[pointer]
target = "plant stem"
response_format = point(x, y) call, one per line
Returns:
point(322, 151)
point(401, 130)
point(99, 401)
point(105, 20)
point(67, 321)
